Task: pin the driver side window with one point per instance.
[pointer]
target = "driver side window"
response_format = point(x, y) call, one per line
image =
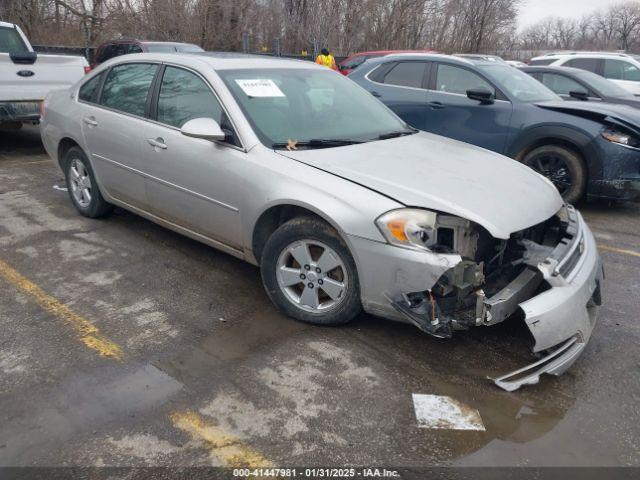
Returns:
point(183, 97)
point(561, 85)
point(452, 79)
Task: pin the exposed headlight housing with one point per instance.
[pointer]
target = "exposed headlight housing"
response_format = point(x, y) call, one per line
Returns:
point(409, 227)
point(617, 135)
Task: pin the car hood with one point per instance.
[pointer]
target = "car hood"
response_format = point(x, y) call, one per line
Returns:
point(597, 111)
point(428, 171)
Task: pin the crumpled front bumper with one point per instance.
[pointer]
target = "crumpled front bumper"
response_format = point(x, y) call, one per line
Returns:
point(562, 318)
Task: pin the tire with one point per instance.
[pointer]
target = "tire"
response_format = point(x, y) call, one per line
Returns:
point(82, 186)
point(335, 305)
point(563, 167)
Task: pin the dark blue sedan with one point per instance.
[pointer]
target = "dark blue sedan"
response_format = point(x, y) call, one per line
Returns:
point(583, 148)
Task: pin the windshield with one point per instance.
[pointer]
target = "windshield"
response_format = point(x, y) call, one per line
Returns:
point(11, 42)
point(302, 105)
point(519, 85)
point(602, 85)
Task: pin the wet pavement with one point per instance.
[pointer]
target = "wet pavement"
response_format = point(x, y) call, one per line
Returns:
point(211, 374)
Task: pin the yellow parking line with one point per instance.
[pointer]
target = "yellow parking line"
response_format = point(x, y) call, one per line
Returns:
point(224, 446)
point(619, 250)
point(88, 333)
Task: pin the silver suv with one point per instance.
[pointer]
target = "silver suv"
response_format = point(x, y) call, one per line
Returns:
point(621, 68)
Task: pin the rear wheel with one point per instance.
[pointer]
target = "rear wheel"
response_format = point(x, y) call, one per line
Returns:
point(563, 167)
point(82, 186)
point(309, 273)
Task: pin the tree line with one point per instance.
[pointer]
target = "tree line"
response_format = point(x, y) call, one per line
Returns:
point(344, 26)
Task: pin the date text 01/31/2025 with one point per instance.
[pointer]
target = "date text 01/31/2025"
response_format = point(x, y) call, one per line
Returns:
point(315, 472)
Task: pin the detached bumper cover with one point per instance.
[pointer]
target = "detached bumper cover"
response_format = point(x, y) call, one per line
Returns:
point(27, 111)
point(562, 318)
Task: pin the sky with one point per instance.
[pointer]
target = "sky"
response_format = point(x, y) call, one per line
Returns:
point(532, 11)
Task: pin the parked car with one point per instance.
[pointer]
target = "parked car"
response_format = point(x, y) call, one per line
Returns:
point(620, 68)
point(116, 48)
point(581, 85)
point(583, 148)
point(516, 63)
point(343, 206)
point(26, 77)
point(352, 62)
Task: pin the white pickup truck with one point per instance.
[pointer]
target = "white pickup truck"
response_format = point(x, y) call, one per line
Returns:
point(27, 77)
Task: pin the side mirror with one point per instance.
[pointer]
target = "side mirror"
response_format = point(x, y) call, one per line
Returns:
point(579, 95)
point(485, 97)
point(205, 128)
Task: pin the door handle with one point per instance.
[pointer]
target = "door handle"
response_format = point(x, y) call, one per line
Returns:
point(157, 143)
point(376, 94)
point(91, 121)
point(436, 105)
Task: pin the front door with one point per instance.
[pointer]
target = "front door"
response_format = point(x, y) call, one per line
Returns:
point(113, 127)
point(452, 114)
point(191, 182)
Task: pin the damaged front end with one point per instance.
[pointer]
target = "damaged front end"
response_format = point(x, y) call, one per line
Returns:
point(548, 274)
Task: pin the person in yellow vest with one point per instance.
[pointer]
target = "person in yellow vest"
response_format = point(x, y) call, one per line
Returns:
point(326, 59)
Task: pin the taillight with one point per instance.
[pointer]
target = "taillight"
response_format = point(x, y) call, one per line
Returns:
point(42, 108)
point(87, 70)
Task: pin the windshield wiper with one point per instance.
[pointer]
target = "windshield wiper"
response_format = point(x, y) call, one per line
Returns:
point(317, 143)
point(399, 133)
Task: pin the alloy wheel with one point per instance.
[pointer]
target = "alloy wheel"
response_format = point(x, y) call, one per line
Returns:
point(554, 168)
point(80, 183)
point(312, 276)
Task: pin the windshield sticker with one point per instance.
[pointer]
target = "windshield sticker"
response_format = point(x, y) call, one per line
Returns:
point(260, 87)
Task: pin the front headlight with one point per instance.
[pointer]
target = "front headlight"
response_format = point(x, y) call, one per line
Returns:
point(620, 137)
point(409, 227)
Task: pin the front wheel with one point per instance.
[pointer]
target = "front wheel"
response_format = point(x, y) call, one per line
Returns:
point(309, 273)
point(563, 167)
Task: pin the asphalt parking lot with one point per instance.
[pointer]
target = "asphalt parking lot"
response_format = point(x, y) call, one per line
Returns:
point(126, 344)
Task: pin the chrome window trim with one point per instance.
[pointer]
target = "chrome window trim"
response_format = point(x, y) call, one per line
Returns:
point(391, 85)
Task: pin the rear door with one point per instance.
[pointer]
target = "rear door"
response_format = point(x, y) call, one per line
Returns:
point(191, 182)
point(113, 127)
point(452, 114)
point(401, 87)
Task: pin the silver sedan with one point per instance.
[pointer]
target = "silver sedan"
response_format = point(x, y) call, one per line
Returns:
point(345, 208)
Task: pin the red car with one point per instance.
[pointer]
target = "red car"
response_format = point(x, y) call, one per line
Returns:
point(124, 46)
point(352, 62)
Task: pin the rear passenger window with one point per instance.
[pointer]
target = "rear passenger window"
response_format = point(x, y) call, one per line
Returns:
point(406, 74)
point(127, 86)
point(89, 91)
point(452, 79)
point(589, 64)
point(621, 70)
point(184, 96)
